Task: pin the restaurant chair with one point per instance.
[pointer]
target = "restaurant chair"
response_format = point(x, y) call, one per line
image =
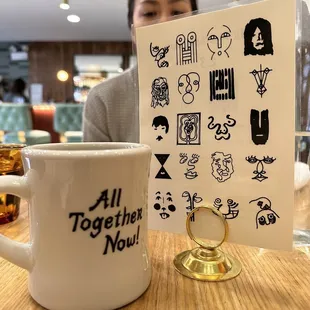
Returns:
point(16, 125)
point(68, 121)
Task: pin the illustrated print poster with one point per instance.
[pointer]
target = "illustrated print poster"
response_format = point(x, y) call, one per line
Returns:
point(217, 97)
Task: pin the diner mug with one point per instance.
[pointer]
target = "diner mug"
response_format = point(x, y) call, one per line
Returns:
point(88, 224)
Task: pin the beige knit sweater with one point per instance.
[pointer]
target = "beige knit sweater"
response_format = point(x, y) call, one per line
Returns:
point(111, 112)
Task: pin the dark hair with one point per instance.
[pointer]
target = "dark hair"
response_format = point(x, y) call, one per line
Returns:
point(19, 87)
point(265, 28)
point(161, 121)
point(131, 7)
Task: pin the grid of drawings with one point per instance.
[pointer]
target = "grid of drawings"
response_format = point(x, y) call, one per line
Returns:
point(208, 111)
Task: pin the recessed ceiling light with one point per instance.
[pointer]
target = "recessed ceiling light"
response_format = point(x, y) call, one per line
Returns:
point(64, 5)
point(73, 18)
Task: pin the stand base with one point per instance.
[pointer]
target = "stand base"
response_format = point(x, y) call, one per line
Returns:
point(207, 265)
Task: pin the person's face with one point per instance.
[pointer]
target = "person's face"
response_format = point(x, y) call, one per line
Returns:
point(148, 11)
point(257, 39)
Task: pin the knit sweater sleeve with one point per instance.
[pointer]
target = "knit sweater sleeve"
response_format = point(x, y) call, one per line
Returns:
point(95, 124)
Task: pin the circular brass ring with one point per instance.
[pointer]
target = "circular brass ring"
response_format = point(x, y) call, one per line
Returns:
point(200, 241)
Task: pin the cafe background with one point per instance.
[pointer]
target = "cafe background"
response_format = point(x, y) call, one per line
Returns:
point(41, 42)
point(62, 53)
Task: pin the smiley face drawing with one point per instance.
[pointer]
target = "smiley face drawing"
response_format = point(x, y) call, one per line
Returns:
point(164, 204)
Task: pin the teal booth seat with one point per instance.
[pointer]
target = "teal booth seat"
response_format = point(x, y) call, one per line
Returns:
point(16, 123)
point(68, 121)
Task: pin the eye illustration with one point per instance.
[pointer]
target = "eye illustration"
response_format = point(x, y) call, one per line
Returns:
point(251, 159)
point(262, 220)
point(225, 35)
point(171, 208)
point(268, 160)
point(212, 37)
point(157, 206)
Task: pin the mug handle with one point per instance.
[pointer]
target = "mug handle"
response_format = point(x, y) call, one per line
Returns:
point(17, 253)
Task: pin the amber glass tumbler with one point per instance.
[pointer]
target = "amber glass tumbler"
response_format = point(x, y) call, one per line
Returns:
point(10, 164)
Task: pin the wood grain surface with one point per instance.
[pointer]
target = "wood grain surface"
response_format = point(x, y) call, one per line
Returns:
point(46, 58)
point(269, 279)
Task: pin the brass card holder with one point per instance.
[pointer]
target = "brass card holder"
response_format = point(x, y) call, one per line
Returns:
point(207, 262)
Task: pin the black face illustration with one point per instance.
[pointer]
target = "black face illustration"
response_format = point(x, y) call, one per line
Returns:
point(222, 131)
point(222, 166)
point(260, 77)
point(164, 204)
point(192, 200)
point(219, 41)
point(266, 216)
point(258, 38)
point(189, 129)
point(190, 173)
point(228, 209)
point(160, 92)
point(259, 172)
point(188, 84)
point(260, 126)
point(162, 173)
point(159, 54)
point(222, 84)
point(186, 48)
point(161, 127)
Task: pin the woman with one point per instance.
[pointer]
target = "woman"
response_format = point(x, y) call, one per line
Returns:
point(112, 111)
point(17, 94)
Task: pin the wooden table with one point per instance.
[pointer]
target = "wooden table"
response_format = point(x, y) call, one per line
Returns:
point(269, 279)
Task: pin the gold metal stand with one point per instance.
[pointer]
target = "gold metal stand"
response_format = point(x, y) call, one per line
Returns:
point(207, 262)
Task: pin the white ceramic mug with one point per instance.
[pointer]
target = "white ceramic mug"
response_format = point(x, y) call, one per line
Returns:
point(88, 224)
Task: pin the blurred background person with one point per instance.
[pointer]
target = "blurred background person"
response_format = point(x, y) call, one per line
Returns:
point(17, 93)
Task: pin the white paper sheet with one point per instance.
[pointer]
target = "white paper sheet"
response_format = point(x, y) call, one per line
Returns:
point(36, 93)
point(217, 98)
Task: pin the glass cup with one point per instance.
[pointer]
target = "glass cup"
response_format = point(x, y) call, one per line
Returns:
point(10, 164)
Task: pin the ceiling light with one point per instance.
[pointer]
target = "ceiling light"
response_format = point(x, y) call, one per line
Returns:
point(73, 19)
point(64, 5)
point(62, 75)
